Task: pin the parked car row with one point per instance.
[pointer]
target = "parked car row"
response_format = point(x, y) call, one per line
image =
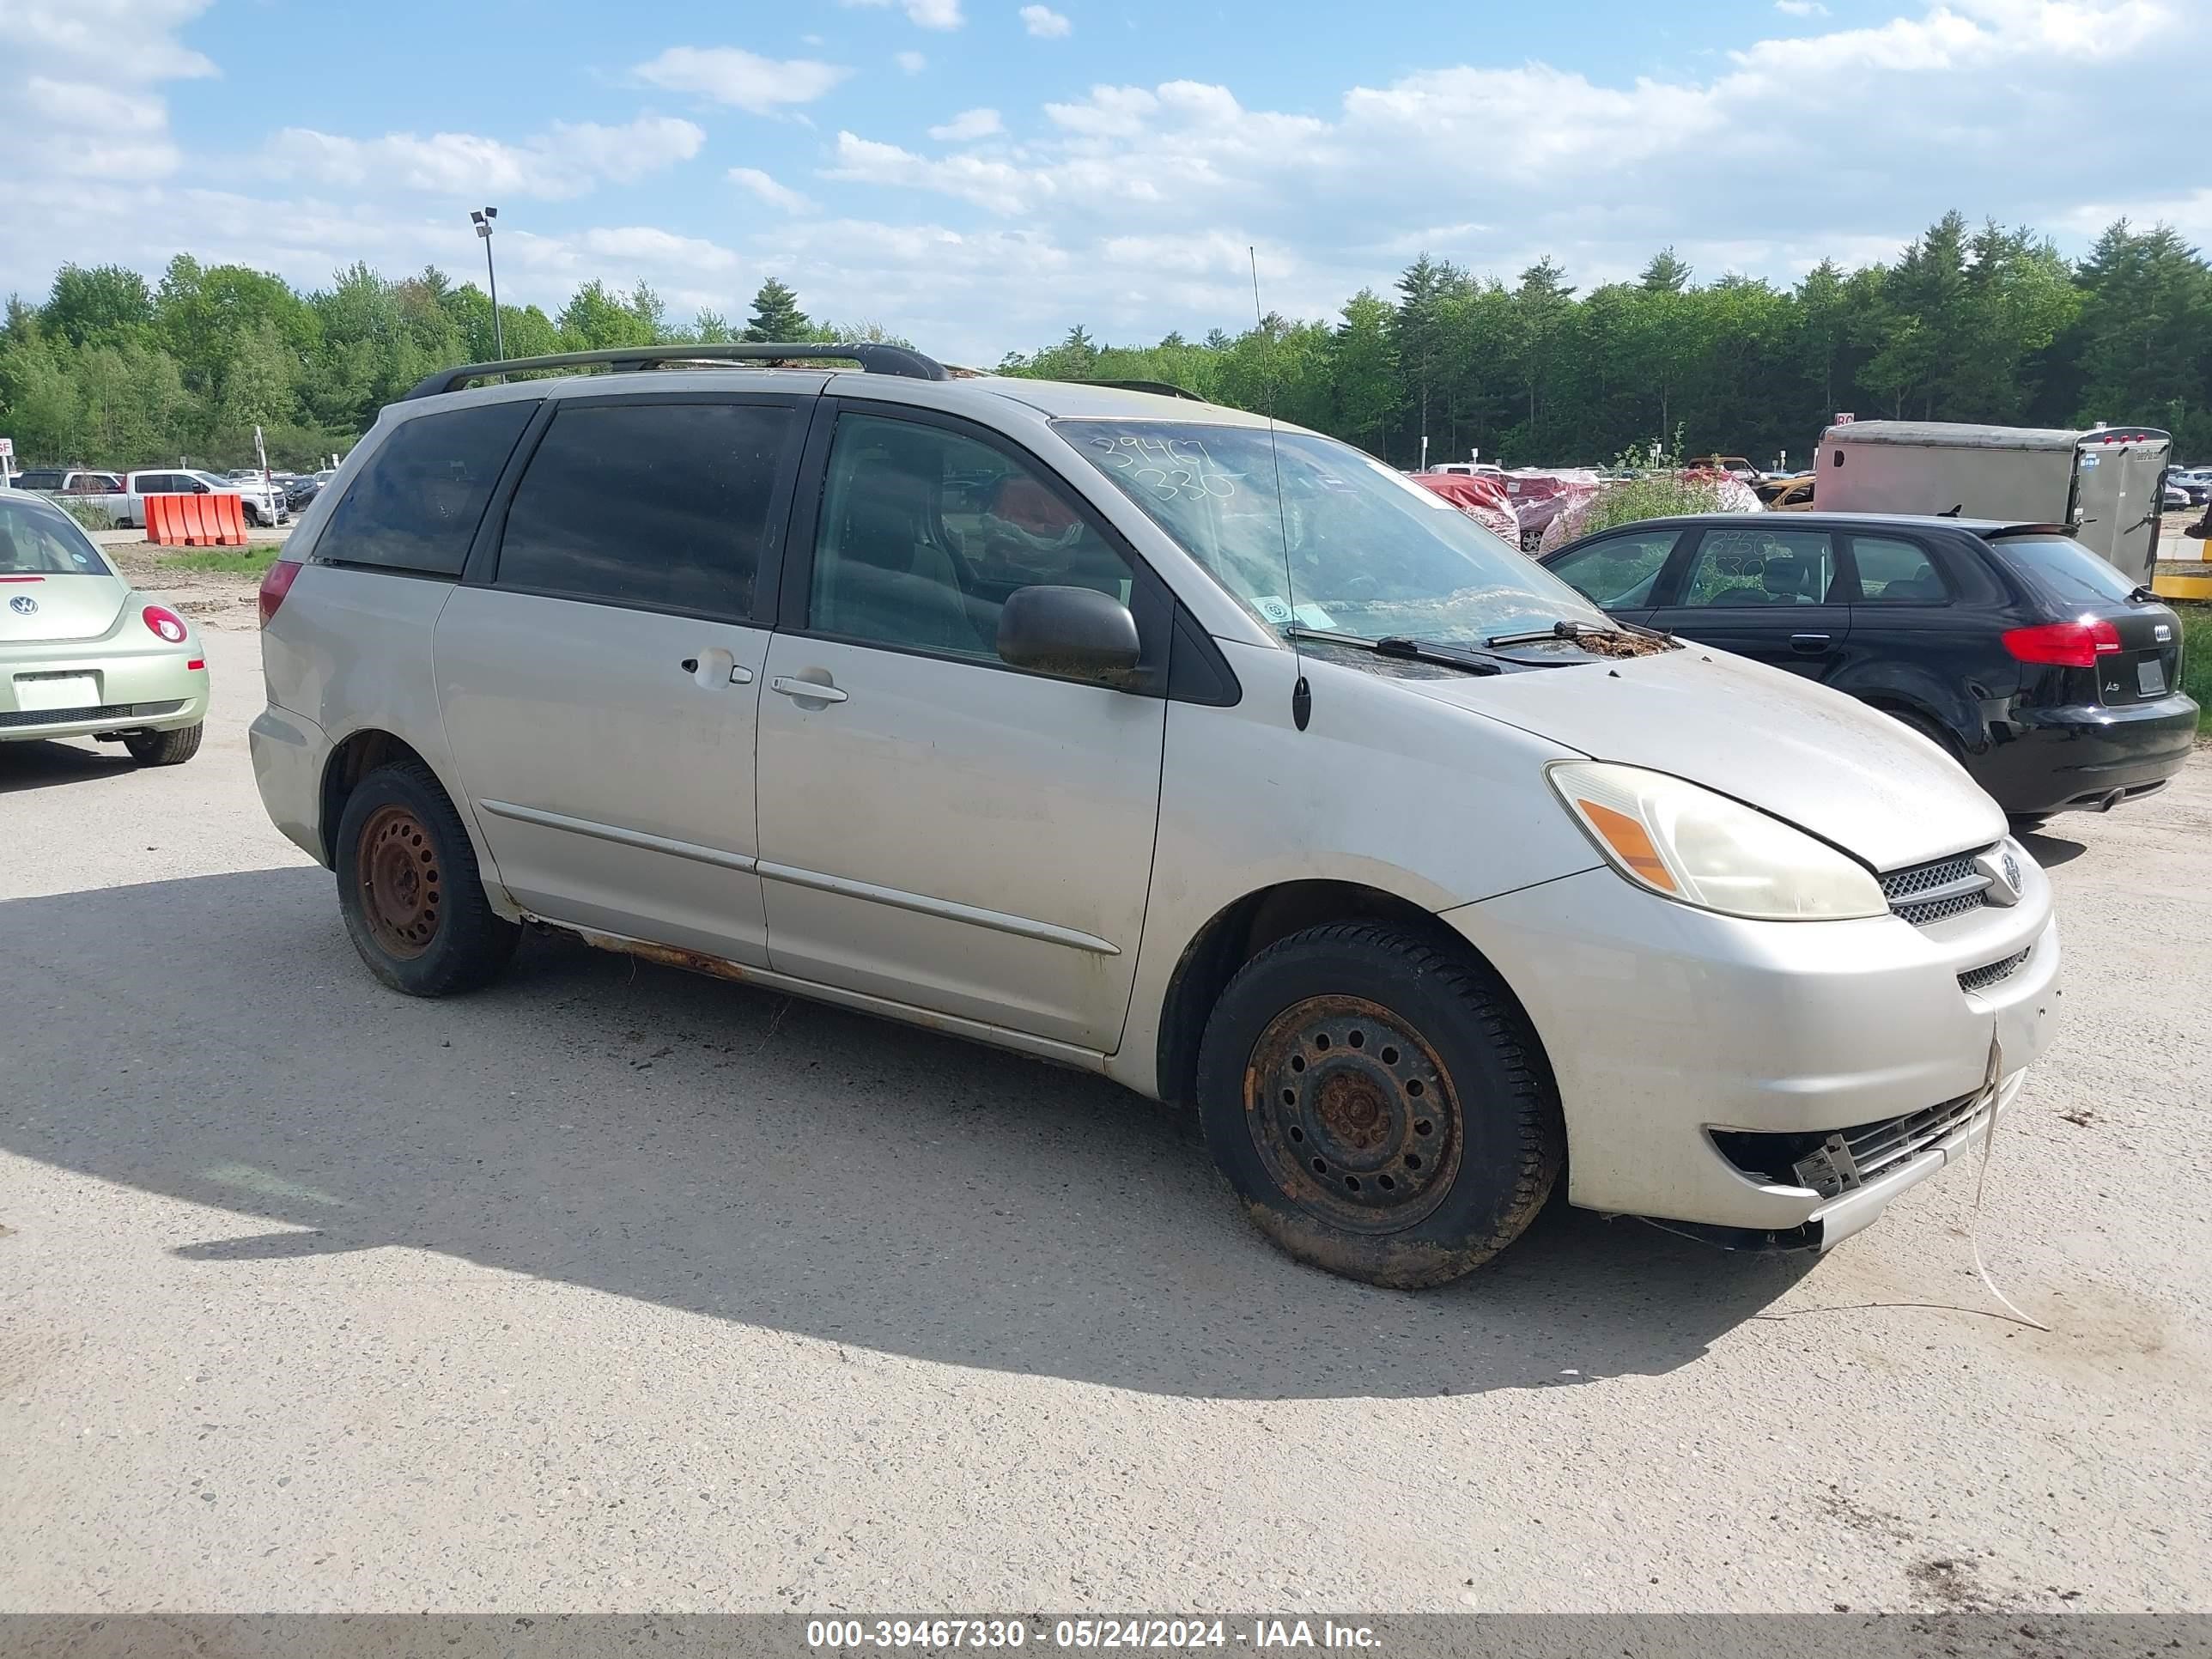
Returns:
point(122, 496)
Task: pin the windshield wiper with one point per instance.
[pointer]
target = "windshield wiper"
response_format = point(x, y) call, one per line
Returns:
point(1569, 631)
point(1397, 645)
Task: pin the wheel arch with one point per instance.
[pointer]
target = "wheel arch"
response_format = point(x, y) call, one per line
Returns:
point(1243, 929)
point(353, 759)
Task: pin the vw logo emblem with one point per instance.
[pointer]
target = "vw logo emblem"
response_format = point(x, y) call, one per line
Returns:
point(24, 605)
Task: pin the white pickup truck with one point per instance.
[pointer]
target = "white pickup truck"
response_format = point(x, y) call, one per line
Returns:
point(103, 490)
point(123, 496)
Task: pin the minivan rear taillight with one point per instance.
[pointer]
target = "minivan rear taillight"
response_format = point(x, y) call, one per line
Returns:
point(2064, 645)
point(276, 583)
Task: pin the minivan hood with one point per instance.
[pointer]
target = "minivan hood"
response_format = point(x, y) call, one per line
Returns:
point(1822, 760)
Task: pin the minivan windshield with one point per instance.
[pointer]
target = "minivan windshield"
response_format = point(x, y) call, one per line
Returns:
point(1345, 545)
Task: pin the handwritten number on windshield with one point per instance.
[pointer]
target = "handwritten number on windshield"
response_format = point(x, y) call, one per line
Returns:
point(1166, 468)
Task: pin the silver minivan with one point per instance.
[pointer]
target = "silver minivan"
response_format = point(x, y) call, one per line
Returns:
point(1153, 738)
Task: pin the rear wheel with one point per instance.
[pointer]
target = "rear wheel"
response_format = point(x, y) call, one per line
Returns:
point(408, 888)
point(164, 748)
point(1379, 1105)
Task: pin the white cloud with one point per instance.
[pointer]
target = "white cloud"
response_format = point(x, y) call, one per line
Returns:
point(563, 160)
point(1801, 8)
point(922, 14)
point(744, 79)
point(645, 246)
point(911, 63)
point(78, 87)
point(1044, 22)
point(968, 126)
point(766, 188)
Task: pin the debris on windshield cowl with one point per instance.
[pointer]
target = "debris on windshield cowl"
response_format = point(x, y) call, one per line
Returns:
point(1595, 642)
point(1624, 645)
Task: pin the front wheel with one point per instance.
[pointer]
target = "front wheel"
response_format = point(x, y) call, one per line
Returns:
point(1379, 1105)
point(409, 889)
point(164, 748)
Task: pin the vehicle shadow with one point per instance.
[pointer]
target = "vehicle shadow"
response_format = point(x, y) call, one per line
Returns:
point(42, 765)
point(746, 1157)
point(2050, 850)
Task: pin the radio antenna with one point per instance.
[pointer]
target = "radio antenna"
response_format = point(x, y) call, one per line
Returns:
point(1301, 693)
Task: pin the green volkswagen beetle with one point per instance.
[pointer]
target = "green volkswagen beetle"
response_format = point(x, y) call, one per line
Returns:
point(82, 655)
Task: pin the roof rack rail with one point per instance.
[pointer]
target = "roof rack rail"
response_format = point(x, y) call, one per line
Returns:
point(872, 358)
point(1160, 388)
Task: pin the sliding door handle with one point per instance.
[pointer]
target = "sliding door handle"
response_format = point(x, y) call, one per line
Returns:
point(807, 691)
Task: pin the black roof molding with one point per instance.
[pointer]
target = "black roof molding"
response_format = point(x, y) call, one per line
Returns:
point(872, 358)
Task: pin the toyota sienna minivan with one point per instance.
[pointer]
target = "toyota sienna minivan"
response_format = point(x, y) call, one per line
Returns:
point(1153, 738)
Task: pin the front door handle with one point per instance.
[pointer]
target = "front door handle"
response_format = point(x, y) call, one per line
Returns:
point(1809, 644)
point(807, 691)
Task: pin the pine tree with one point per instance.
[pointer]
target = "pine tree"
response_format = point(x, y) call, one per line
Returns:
point(776, 316)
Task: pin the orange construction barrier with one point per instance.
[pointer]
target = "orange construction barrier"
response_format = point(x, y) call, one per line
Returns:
point(165, 526)
point(230, 520)
point(197, 533)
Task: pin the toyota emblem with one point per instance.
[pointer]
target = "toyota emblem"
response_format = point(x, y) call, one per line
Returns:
point(24, 605)
point(2002, 871)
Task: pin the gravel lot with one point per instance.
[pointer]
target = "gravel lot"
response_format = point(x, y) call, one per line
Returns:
point(614, 1288)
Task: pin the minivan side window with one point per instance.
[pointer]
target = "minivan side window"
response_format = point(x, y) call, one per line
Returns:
point(663, 506)
point(924, 534)
point(415, 506)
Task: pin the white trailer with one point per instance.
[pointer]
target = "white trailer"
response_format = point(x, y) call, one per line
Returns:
point(2102, 484)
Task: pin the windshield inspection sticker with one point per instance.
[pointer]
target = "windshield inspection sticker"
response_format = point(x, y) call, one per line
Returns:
point(1274, 608)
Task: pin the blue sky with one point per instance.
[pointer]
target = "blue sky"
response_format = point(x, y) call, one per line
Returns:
point(980, 174)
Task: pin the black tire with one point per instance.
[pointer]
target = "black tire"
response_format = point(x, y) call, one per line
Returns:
point(1392, 1063)
point(409, 890)
point(164, 748)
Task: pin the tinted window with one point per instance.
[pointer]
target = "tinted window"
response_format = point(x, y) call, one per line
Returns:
point(663, 505)
point(38, 481)
point(416, 505)
point(1761, 566)
point(924, 534)
point(1619, 570)
point(1893, 571)
point(2064, 569)
point(35, 543)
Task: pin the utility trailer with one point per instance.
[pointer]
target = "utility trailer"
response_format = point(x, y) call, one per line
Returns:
point(2103, 484)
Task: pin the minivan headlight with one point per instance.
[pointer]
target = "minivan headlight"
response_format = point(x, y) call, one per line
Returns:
point(1687, 843)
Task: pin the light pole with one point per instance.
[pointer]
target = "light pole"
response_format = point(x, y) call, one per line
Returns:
point(482, 218)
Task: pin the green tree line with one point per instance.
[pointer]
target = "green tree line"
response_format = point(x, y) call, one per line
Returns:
point(1990, 324)
point(112, 371)
point(1972, 325)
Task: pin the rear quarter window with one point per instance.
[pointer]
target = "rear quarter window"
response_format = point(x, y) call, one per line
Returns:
point(2061, 568)
point(415, 505)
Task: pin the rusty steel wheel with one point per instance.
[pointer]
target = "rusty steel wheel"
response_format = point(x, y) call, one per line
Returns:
point(1353, 1113)
point(401, 884)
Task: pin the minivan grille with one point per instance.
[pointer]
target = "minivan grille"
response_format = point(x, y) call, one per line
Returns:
point(1994, 972)
point(1836, 1162)
point(1937, 890)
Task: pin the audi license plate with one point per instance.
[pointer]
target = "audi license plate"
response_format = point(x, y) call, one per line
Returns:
point(2150, 677)
point(56, 692)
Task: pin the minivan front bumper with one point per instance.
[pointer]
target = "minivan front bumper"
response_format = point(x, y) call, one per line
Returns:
point(1666, 1026)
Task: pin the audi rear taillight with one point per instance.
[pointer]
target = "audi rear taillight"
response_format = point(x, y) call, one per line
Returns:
point(165, 623)
point(276, 583)
point(2064, 645)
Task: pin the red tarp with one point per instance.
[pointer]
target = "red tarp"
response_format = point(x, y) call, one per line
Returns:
point(1480, 496)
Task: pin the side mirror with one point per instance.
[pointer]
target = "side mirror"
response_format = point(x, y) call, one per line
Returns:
point(1076, 633)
